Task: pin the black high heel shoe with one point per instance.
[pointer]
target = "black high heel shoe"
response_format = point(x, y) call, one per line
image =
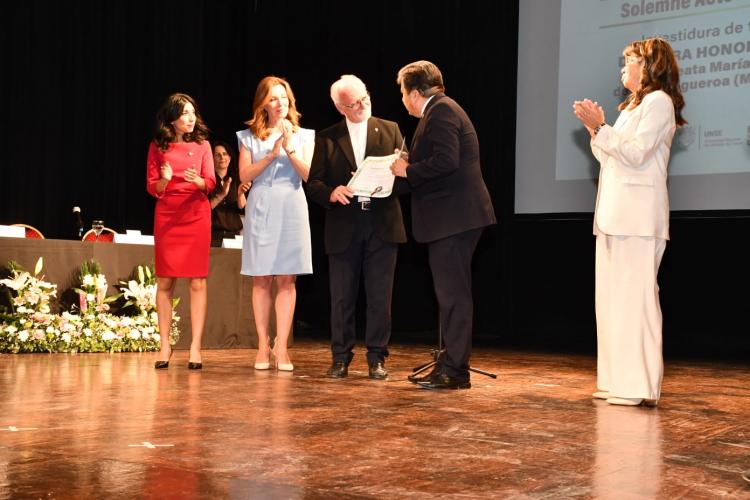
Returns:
point(195, 365)
point(163, 365)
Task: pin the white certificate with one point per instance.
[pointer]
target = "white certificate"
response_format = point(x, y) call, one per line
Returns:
point(373, 178)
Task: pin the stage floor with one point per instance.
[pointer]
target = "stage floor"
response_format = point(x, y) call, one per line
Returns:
point(110, 426)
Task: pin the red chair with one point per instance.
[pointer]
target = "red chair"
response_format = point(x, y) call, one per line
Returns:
point(31, 231)
point(107, 235)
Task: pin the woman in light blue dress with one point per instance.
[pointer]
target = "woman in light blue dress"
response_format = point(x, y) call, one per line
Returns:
point(275, 154)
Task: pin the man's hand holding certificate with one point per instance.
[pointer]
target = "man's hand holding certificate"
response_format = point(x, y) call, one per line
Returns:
point(373, 178)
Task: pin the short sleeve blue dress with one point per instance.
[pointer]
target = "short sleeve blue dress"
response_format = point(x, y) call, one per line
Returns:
point(276, 235)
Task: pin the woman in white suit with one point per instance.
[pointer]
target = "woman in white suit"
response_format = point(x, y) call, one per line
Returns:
point(631, 221)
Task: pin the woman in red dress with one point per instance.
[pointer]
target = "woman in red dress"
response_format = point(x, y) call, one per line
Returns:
point(180, 174)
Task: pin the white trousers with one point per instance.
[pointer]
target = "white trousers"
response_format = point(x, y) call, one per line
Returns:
point(628, 316)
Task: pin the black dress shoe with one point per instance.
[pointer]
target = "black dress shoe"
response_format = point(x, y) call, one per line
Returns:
point(377, 371)
point(163, 365)
point(338, 369)
point(415, 378)
point(192, 365)
point(443, 381)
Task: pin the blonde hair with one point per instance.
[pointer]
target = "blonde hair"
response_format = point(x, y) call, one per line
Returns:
point(258, 124)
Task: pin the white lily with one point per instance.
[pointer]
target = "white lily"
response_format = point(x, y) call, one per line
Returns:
point(18, 282)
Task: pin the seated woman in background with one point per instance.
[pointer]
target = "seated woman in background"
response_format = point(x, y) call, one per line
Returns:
point(228, 198)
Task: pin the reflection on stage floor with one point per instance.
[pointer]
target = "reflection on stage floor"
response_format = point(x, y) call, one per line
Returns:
point(110, 426)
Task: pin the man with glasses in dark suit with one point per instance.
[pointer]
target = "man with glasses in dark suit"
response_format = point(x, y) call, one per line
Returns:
point(361, 233)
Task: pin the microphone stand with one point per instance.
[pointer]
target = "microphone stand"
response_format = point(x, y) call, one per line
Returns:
point(436, 353)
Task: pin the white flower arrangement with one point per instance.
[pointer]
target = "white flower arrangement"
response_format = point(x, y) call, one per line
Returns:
point(92, 291)
point(29, 326)
point(141, 295)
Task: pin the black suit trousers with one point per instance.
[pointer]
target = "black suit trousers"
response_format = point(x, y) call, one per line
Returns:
point(450, 263)
point(369, 257)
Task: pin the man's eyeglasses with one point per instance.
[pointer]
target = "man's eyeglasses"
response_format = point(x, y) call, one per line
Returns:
point(358, 102)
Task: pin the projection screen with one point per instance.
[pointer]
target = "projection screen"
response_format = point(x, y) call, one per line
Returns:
point(572, 49)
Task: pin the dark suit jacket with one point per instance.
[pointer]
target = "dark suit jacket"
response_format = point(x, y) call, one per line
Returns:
point(448, 194)
point(333, 165)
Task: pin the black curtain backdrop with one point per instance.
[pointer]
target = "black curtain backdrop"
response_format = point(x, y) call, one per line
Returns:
point(81, 82)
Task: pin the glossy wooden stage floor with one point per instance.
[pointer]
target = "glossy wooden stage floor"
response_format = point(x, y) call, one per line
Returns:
point(110, 426)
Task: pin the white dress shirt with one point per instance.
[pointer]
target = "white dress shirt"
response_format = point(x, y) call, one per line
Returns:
point(358, 136)
point(421, 113)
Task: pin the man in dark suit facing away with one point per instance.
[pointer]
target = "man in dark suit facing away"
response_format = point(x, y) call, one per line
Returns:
point(450, 206)
point(361, 233)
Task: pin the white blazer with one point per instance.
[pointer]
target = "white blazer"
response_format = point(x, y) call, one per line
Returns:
point(632, 199)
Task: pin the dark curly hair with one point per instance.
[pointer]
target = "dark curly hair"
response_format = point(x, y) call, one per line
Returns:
point(170, 111)
point(660, 72)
